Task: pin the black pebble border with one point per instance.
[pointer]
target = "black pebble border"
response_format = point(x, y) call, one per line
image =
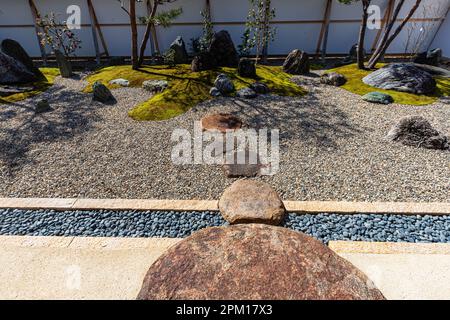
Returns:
point(325, 227)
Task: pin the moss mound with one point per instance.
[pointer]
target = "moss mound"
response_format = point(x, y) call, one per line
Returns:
point(186, 88)
point(38, 87)
point(356, 85)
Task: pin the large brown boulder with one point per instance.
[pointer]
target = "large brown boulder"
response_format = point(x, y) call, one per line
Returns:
point(250, 201)
point(13, 49)
point(254, 262)
point(223, 50)
point(297, 62)
point(13, 71)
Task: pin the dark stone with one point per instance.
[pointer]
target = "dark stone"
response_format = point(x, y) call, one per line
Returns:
point(297, 62)
point(223, 50)
point(333, 79)
point(247, 68)
point(13, 71)
point(179, 49)
point(253, 262)
point(249, 201)
point(260, 88)
point(246, 93)
point(15, 50)
point(417, 132)
point(432, 57)
point(215, 92)
point(65, 67)
point(6, 91)
point(116, 61)
point(224, 84)
point(404, 77)
point(378, 97)
point(102, 94)
point(202, 62)
point(42, 106)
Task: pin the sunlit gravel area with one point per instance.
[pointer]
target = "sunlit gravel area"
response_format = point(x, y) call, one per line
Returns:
point(332, 148)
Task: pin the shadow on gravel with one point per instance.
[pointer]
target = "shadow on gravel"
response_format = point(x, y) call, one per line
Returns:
point(21, 127)
point(303, 118)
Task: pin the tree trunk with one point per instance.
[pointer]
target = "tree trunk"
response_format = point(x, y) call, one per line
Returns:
point(134, 33)
point(384, 45)
point(148, 30)
point(265, 49)
point(362, 34)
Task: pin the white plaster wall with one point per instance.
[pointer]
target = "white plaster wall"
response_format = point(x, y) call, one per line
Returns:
point(288, 36)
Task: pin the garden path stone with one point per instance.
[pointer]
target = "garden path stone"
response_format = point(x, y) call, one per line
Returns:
point(248, 169)
point(250, 201)
point(254, 262)
point(297, 62)
point(221, 122)
point(416, 131)
point(378, 97)
point(403, 77)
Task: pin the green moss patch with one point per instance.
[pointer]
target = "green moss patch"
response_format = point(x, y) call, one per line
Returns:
point(38, 87)
point(186, 88)
point(356, 85)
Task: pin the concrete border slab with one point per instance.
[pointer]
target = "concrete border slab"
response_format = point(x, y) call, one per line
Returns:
point(301, 207)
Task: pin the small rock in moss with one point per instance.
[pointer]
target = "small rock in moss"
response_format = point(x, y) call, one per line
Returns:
point(378, 97)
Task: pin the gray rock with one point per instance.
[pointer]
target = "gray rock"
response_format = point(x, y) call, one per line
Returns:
point(15, 50)
point(42, 106)
point(120, 82)
point(260, 88)
point(223, 50)
point(13, 71)
point(247, 68)
point(155, 86)
point(297, 62)
point(416, 131)
point(65, 67)
point(224, 84)
point(403, 77)
point(431, 57)
point(102, 94)
point(246, 93)
point(215, 92)
point(333, 79)
point(378, 97)
point(179, 49)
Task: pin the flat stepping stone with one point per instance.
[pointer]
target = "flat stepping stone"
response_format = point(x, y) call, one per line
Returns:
point(253, 262)
point(249, 169)
point(249, 201)
point(221, 122)
point(378, 97)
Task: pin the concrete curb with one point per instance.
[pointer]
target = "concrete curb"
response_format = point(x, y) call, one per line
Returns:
point(362, 247)
point(306, 207)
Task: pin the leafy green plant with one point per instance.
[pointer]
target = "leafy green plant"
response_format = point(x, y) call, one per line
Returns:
point(258, 31)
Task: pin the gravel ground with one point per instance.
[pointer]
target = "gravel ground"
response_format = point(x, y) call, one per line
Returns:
point(332, 148)
point(325, 227)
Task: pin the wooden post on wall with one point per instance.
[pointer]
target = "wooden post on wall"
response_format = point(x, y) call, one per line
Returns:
point(386, 18)
point(36, 15)
point(438, 28)
point(95, 26)
point(149, 12)
point(323, 36)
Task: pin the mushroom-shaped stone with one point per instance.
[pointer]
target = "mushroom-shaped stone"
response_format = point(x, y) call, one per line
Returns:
point(253, 262)
point(249, 201)
point(220, 122)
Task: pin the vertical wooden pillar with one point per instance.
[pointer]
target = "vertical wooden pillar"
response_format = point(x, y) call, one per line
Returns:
point(438, 28)
point(95, 26)
point(36, 15)
point(149, 12)
point(323, 36)
point(386, 18)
